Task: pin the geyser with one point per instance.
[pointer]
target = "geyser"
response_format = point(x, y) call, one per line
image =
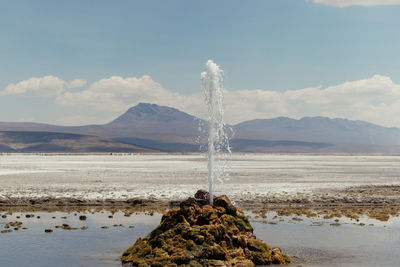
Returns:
point(205, 231)
point(218, 140)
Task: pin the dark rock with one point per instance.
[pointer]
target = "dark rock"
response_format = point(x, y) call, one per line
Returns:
point(188, 203)
point(223, 201)
point(15, 224)
point(66, 227)
point(202, 235)
point(202, 195)
point(82, 218)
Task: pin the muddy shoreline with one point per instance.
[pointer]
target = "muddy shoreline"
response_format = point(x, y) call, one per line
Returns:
point(378, 202)
point(368, 195)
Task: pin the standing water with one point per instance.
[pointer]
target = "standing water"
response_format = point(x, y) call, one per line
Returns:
point(218, 140)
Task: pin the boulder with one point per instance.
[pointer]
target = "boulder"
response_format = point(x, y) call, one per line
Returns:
point(203, 235)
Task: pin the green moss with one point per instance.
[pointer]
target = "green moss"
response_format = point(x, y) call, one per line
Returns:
point(202, 236)
point(257, 245)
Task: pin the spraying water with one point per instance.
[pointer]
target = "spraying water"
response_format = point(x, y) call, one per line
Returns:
point(218, 140)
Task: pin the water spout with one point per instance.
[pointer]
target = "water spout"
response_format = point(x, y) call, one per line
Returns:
point(218, 140)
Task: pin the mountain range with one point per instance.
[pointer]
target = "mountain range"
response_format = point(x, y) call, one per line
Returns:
point(149, 127)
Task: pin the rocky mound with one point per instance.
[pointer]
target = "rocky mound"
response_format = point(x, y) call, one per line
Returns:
point(198, 234)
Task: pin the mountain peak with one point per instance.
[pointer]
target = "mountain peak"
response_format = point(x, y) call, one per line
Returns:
point(152, 113)
point(151, 121)
point(152, 109)
point(144, 108)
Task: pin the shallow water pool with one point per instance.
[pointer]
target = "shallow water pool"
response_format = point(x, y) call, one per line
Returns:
point(311, 241)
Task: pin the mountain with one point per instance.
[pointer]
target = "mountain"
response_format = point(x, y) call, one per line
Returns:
point(154, 122)
point(168, 129)
point(318, 129)
point(143, 121)
point(62, 142)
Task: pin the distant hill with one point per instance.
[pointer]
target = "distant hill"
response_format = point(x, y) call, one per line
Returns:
point(146, 121)
point(62, 142)
point(318, 129)
point(170, 130)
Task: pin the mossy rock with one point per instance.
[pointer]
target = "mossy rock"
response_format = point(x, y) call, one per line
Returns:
point(202, 235)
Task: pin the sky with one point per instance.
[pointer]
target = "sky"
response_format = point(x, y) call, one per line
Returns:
point(85, 62)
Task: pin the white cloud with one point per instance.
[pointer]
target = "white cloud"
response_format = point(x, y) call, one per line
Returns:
point(41, 87)
point(44, 86)
point(76, 83)
point(116, 94)
point(375, 99)
point(346, 3)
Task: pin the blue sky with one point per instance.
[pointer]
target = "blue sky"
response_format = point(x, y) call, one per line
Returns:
point(268, 45)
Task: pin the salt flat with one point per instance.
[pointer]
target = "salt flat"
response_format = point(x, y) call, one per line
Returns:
point(175, 176)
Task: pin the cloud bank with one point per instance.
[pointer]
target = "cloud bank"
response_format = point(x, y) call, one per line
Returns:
point(375, 99)
point(366, 3)
point(41, 87)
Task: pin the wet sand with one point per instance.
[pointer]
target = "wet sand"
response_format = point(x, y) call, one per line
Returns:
point(355, 197)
